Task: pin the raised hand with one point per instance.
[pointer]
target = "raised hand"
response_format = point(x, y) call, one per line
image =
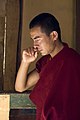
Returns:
point(29, 55)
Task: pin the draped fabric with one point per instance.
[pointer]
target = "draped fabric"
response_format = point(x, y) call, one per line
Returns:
point(57, 93)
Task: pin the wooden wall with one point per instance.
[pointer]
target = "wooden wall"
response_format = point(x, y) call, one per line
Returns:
point(10, 9)
point(2, 25)
point(12, 16)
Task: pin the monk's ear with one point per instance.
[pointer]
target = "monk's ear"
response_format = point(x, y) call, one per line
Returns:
point(54, 35)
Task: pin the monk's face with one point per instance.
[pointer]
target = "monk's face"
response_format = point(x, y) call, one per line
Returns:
point(44, 43)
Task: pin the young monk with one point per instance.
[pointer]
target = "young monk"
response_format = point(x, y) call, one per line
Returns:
point(56, 77)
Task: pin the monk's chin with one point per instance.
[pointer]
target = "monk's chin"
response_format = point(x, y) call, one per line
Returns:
point(43, 54)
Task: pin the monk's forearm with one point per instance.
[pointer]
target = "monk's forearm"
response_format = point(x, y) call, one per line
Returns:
point(21, 79)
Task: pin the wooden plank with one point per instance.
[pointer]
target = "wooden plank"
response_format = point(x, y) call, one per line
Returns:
point(22, 114)
point(12, 16)
point(2, 24)
point(4, 107)
point(1, 50)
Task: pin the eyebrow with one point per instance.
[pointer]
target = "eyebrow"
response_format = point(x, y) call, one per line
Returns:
point(36, 37)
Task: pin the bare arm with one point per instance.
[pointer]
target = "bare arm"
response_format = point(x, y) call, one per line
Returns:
point(24, 80)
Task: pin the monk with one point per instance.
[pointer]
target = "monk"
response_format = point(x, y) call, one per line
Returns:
point(56, 77)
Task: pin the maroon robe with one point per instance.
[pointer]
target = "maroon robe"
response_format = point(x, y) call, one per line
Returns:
point(57, 93)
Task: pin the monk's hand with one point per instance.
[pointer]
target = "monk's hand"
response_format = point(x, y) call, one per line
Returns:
point(29, 55)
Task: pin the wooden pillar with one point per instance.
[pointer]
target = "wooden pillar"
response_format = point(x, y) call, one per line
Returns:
point(2, 25)
point(4, 107)
point(12, 20)
point(1, 50)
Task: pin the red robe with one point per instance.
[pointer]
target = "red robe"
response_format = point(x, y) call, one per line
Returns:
point(57, 93)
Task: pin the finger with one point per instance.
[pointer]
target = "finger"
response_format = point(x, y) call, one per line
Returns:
point(29, 51)
point(32, 51)
point(36, 54)
point(25, 52)
point(35, 49)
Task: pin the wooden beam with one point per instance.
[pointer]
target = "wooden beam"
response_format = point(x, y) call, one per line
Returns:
point(12, 19)
point(2, 25)
point(4, 107)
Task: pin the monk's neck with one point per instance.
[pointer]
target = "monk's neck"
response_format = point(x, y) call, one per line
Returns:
point(57, 49)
